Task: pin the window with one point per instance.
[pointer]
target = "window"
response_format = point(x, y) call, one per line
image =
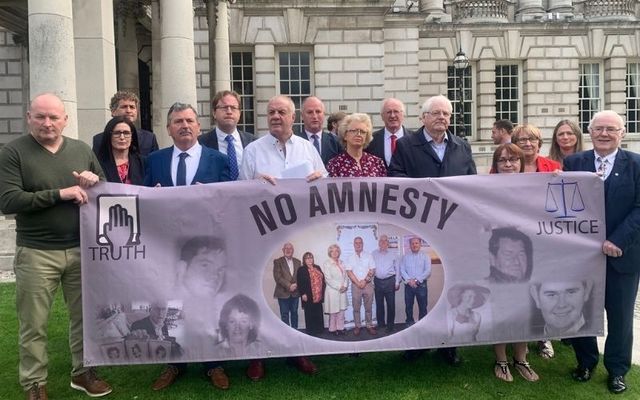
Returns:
point(633, 97)
point(242, 83)
point(589, 101)
point(507, 93)
point(453, 93)
point(295, 78)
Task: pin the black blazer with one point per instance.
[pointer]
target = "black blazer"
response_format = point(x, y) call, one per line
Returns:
point(329, 146)
point(415, 158)
point(376, 147)
point(304, 284)
point(210, 139)
point(621, 202)
point(136, 169)
point(147, 142)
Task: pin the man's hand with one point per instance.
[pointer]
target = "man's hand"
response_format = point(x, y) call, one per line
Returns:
point(293, 287)
point(611, 249)
point(304, 298)
point(397, 287)
point(314, 175)
point(86, 179)
point(268, 178)
point(74, 193)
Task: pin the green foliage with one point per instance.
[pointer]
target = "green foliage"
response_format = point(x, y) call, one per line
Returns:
point(370, 376)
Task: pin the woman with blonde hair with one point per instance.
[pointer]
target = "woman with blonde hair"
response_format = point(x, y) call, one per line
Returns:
point(529, 139)
point(566, 140)
point(335, 302)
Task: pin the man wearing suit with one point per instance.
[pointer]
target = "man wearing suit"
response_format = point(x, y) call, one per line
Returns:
point(620, 170)
point(313, 120)
point(186, 162)
point(226, 110)
point(126, 104)
point(285, 270)
point(384, 141)
point(432, 152)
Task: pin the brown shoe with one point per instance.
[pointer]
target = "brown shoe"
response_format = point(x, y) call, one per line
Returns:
point(255, 371)
point(372, 331)
point(356, 331)
point(305, 365)
point(166, 378)
point(91, 384)
point(37, 392)
point(218, 378)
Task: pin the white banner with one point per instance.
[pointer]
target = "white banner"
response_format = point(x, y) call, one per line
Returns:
point(187, 273)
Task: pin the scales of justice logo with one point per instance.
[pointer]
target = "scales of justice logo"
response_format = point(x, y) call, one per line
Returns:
point(564, 199)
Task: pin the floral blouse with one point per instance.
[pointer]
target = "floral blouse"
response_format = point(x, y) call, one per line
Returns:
point(343, 166)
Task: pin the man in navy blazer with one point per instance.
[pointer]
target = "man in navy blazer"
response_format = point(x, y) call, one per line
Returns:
point(203, 165)
point(313, 121)
point(620, 170)
point(126, 104)
point(392, 113)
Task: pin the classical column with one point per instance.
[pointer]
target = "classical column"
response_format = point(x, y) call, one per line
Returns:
point(95, 64)
point(127, 46)
point(158, 119)
point(177, 56)
point(222, 53)
point(561, 6)
point(52, 54)
point(529, 10)
point(434, 10)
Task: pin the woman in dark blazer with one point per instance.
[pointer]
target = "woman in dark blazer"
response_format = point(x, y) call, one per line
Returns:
point(311, 286)
point(119, 154)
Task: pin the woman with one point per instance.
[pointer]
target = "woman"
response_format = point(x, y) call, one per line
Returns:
point(529, 139)
point(566, 140)
point(355, 135)
point(463, 321)
point(118, 153)
point(509, 158)
point(311, 286)
point(335, 294)
point(239, 323)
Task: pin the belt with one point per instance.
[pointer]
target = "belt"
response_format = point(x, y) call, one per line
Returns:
point(387, 278)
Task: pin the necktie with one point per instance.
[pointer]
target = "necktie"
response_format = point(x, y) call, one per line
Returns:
point(181, 176)
point(393, 143)
point(233, 160)
point(602, 169)
point(316, 142)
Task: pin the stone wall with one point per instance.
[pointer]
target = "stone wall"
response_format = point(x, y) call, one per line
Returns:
point(12, 109)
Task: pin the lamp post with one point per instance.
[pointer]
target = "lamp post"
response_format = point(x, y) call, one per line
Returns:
point(460, 63)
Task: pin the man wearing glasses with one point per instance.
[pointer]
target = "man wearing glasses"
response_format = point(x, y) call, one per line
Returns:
point(620, 170)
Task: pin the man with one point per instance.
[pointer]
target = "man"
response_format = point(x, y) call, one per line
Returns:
point(285, 270)
point(561, 304)
point(385, 283)
point(360, 270)
point(201, 271)
point(432, 152)
point(511, 256)
point(126, 104)
point(281, 152)
point(384, 142)
point(620, 170)
point(415, 268)
point(186, 162)
point(501, 131)
point(313, 120)
point(43, 177)
point(153, 326)
point(333, 122)
point(225, 137)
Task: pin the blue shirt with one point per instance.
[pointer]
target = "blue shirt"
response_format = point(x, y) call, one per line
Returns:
point(387, 265)
point(415, 266)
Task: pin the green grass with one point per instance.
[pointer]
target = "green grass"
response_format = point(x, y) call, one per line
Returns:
point(371, 376)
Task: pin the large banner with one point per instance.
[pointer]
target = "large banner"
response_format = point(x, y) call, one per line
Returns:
point(190, 273)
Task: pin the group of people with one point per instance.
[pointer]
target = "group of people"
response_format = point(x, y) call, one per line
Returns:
point(44, 175)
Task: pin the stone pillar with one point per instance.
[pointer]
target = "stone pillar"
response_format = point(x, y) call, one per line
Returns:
point(486, 97)
point(561, 6)
point(127, 48)
point(96, 64)
point(211, 25)
point(615, 72)
point(434, 11)
point(221, 45)
point(529, 10)
point(52, 65)
point(177, 57)
point(159, 120)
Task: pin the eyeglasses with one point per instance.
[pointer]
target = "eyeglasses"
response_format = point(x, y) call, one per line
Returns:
point(357, 132)
point(437, 113)
point(227, 108)
point(524, 140)
point(608, 129)
point(124, 134)
point(511, 160)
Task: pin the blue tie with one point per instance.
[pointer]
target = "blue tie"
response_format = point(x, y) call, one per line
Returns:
point(181, 176)
point(233, 160)
point(316, 143)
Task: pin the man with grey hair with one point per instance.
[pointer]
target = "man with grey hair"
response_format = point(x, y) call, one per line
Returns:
point(384, 142)
point(313, 119)
point(620, 171)
point(186, 162)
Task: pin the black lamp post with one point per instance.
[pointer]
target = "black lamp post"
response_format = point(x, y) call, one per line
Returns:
point(460, 63)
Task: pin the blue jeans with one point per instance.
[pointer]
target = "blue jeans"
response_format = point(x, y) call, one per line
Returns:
point(289, 308)
point(420, 295)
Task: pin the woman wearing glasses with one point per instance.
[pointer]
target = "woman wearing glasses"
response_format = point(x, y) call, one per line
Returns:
point(355, 134)
point(118, 153)
point(529, 139)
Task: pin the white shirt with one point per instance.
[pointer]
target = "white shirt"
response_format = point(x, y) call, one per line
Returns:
point(191, 162)
point(237, 143)
point(290, 265)
point(610, 158)
point(309, 136)
point(265, 156)
point(360, 265)
point(387, 142)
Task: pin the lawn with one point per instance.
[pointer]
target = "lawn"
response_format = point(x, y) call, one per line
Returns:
point(370, 376)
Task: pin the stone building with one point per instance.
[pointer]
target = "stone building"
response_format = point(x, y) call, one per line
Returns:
point(535, 61)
